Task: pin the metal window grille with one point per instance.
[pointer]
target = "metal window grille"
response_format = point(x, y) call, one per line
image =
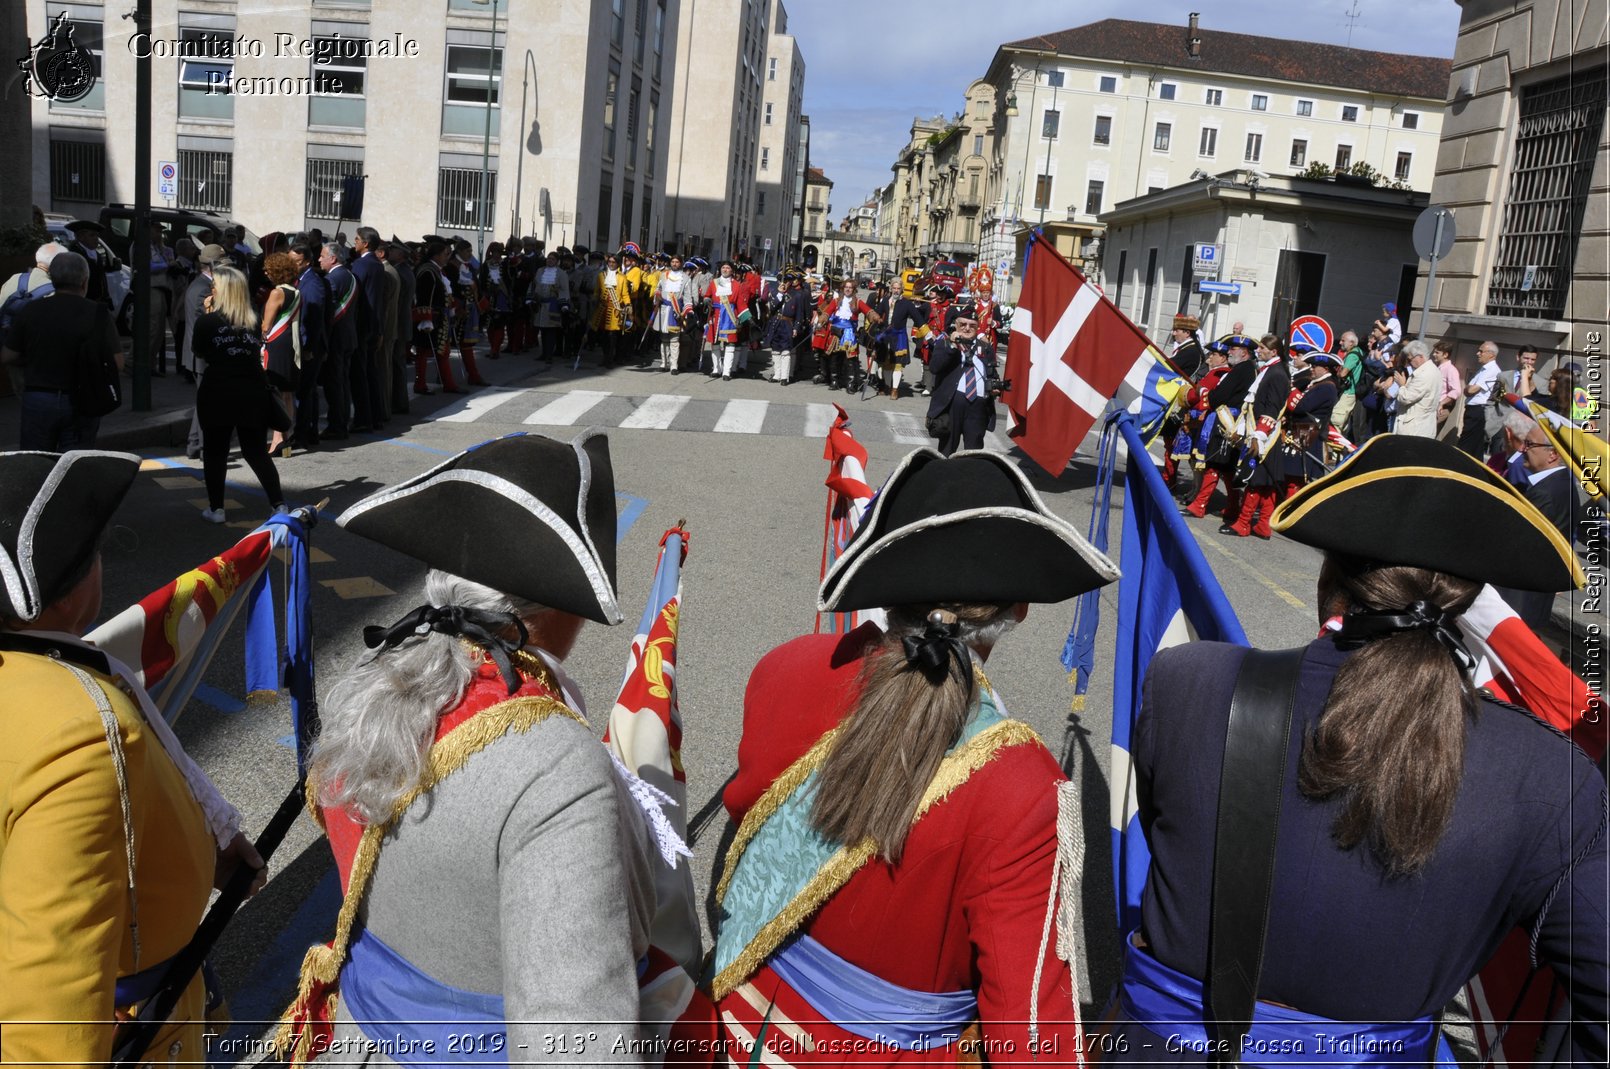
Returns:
point(78, 171)
point(459, 199)
point(206, 180)
point(324, 186)
point(1556, 139)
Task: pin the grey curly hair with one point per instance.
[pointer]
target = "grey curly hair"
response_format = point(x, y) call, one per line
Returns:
point(380, 716)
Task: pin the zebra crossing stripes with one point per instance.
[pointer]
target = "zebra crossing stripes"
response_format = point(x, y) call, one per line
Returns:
point(532, 406)
point(473, 407)
point(657, 413)
point(568, 408)
point(906, 428)
point(742, 416)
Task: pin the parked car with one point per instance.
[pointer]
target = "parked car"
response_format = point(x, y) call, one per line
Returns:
point(118, 219)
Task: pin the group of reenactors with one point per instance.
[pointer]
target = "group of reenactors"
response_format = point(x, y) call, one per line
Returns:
point(1255, 423)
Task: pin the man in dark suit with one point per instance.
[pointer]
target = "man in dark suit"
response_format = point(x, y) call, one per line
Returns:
point(1551, 487)
point(345, 299)
point(315, 324)
point(966, 382)
point(370, 307)
point(88, 244)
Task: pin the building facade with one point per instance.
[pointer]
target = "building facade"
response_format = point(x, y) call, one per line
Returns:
point(777, 164)
point(1525, 166)
point(1286, 246)
point(802, 166)
point(263, 108)
point(1114, 110)
point(912, 189)
point(715, 125)
point(817, 222)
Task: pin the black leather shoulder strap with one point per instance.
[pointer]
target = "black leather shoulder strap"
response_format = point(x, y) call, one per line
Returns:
point(1250, 784)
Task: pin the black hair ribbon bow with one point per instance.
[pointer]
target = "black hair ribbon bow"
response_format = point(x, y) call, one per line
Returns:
point(482, 628)
point(1366, 626)
point(931, 652)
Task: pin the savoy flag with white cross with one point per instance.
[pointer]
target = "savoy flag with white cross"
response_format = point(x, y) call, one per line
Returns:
point(1071, 352)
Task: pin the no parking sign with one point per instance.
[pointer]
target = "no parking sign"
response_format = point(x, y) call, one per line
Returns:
point(167, 180)
point(1312, 333)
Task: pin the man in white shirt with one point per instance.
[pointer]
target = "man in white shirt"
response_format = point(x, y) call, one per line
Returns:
point(1480, 402)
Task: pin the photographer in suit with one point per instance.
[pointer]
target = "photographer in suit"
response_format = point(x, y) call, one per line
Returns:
point(962, 407)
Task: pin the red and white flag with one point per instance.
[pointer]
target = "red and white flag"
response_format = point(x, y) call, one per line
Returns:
point(1514, 664)
point(848, 494)
point(1071, 352)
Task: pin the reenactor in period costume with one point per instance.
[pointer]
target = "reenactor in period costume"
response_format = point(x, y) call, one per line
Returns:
point(856, 912)
point(1263, 415)
point(843, 314)
point(788, 325)
point(904, 330)
point(1188, 444)
point(432, 299)
point(110, 837)
point(674, 298)
point(88, 244)
point(508, 880)
point(1221, 450)
point(730, 309)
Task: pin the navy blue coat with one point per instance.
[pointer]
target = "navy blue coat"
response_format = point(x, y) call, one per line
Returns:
point(1344, 941)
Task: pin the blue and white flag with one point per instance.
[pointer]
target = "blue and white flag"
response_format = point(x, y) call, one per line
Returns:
point(1167, 596)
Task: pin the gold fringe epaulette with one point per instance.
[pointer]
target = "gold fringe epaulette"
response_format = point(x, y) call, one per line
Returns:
point(317, 986)
point(954, 771)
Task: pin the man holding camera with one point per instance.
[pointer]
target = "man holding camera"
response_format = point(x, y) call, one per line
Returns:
point(962, 406)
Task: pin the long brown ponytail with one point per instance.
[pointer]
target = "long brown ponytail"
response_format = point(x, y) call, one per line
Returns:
point(1391, 739)
point(891, 745)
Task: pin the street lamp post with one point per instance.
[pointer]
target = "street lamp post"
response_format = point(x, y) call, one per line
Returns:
point(486, 138)
point(519, 176)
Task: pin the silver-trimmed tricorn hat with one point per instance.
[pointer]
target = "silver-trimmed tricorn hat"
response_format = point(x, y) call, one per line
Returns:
point(524, 514)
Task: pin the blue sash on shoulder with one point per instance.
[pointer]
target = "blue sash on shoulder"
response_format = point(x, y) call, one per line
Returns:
point(865, 1004)
point(136, 988)
point(1170, 1004)
point(414, 1018)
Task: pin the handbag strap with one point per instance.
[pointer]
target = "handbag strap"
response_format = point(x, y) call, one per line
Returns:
point(1251, 780)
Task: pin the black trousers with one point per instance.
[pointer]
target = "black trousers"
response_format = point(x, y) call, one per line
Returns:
point(253, 450)
point(1473, 436)
point(338, 391)
point(307, 399)
point(968, 422)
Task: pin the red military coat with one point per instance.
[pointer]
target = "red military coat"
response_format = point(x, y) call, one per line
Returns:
point(964, 907)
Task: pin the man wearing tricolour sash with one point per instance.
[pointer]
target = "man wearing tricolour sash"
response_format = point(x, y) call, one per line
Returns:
point(886, 894)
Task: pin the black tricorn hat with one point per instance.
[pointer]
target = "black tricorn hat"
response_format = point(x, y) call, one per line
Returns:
point(85, 224)
point(969, 528)
point(523, 514)
point(53, 507)
point(1408, 500)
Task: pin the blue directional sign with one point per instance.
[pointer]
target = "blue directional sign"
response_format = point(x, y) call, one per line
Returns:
point(1230, 289)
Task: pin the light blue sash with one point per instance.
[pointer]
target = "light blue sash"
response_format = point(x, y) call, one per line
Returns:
point(786, 853)
point(865, 1004)
point(1170, 1004)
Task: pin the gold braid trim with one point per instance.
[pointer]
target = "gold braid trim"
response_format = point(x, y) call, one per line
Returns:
point(836, 872)
point(322, 964)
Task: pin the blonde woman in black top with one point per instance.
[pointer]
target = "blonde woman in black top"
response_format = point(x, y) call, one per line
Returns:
point(234, 397)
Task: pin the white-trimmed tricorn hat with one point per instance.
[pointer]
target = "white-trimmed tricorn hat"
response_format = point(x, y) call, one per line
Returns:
point(969, 528)
point(523, 514)
point(53, 508)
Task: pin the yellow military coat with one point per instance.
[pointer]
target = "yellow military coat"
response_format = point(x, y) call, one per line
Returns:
point(65, 933)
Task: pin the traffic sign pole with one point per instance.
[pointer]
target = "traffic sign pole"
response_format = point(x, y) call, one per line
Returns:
point(1431, 278)
point(140, 246)
point(1433, 239)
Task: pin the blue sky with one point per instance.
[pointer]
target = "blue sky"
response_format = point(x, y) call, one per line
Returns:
point(871, 68)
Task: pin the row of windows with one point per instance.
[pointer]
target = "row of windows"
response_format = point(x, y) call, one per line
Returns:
point(1301, 107)
point(206, 183)
point(1207, 145)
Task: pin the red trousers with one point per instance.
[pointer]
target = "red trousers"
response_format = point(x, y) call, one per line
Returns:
point(1259, 501)
point(1210, 482)
point(466, 352)
point(423, 352)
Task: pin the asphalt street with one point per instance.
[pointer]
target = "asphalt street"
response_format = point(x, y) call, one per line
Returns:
point(742, 462)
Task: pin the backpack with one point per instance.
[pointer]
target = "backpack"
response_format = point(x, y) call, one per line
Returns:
point(1370, 371)
point(97, 383)
point(15, 302)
